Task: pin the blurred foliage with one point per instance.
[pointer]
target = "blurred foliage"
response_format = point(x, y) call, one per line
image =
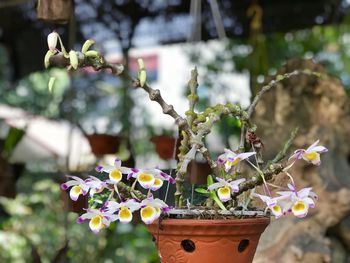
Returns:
point(36, 219)
point(31, 93)
point(13, 137)
point(328, 45)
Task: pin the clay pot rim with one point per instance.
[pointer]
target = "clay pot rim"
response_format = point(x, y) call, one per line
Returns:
point(229, 221)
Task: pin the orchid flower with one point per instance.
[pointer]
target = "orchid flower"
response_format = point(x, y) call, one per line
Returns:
point(226, 187)
point(79, 187)
point(311, 154)
point(151, 178)
point(124, 209)
point(95, 185)
point(151, 209)
point(115, 171)
point(300, 201)
point(231, 159)
point(98, 219)
point(272, 203)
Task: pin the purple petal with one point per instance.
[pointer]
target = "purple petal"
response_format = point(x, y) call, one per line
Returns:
point(99, 168)
point(80, 220)
point(172, 180)
point(64, 186)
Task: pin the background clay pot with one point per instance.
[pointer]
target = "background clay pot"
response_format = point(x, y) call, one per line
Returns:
point(165, 146)
point(104, 143)
point(208, 241)
point(197, 172)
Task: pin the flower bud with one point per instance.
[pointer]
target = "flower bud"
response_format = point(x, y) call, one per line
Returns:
point(88, 43)
point(73, 59)
point(52, 39)
point(92, 53)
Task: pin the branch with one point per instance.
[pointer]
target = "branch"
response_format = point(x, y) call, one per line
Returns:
point(273, 169)
point(98, 63)
point(125, 191)
point(286, 146)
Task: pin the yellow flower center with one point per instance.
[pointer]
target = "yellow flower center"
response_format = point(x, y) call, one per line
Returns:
point(145, 177)
point(311, 156)
point(276, 208)
point(224, 190)
point(234, 162)
point(96, 221)
point(299, 206)
point(76, 190)
point(115, 175)
point(147, 212)
point(124, 213)
point(157, 182)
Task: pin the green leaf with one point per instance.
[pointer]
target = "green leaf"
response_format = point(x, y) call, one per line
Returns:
point(202, 191)
point(14, 136)
point(51, 82)
point(210, 180)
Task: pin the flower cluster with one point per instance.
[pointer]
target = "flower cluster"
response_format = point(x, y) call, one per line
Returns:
point(150, 208)
point(286, 201)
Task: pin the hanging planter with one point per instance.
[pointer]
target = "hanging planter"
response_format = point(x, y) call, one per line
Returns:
point(165, 146)
point(197, 172)
point(77, 206)
point(201, 240)
point(58, 11)
point(104, 143)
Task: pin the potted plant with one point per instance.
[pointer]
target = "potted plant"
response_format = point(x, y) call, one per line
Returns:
point(225, 227)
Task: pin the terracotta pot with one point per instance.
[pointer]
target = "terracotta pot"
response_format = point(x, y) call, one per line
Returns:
point(104, 143)
point(58, 11)
point(208, 241)
point(198, 172)
point(74, 206)
point(165, 146)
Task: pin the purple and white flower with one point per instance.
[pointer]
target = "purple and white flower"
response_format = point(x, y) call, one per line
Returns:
point(230, 159)
point(95, 185)
point(226, 187)
point(115, 171)
point(99, 219)
point(79, 187)
point(273, 203)
point(151, 178)
point(151, 209)
point(311, 154)
point(298, 202)
point(124, 209)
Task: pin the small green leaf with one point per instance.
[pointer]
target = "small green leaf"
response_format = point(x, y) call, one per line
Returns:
point(73, 59)
point(202, 191)
point(88, 43)
point(51, 83)
point(48, 55)
point(210, 180)
point(13, 137)
point(142, 77)
point(92, 54)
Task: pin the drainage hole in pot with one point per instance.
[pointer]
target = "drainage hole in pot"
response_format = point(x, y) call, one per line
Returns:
point(243, 245)
point(188, 245)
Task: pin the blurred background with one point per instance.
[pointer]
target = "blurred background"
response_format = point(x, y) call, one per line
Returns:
point(89, 117)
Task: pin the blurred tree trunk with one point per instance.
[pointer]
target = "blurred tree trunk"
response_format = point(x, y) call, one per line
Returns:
point(321, 109)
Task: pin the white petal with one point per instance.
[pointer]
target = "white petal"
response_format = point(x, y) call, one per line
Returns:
point(148, 214)
point(74, 192)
